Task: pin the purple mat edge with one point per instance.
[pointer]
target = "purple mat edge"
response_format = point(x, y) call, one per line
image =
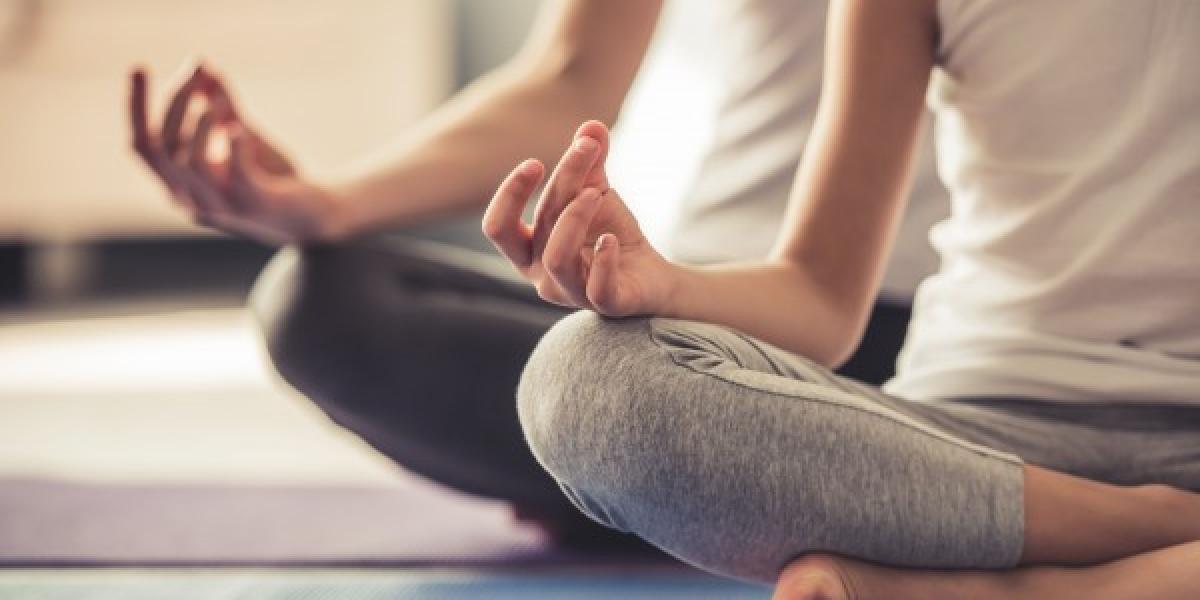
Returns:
point(47, 523)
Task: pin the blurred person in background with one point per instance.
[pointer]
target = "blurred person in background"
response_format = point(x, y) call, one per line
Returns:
point(1047, 407)
point(417, 346)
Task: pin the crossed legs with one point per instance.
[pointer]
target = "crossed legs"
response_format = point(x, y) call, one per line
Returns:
point(745, 460)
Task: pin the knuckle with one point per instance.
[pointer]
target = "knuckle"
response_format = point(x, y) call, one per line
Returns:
point(602, 297)
point(493, 229)
point(571, 216)
point(560, 191)
point(554, 263)
point(546, 293)
point(551, 293)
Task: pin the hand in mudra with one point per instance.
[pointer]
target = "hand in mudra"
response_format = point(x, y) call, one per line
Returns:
point(584, 248)
point(252, 190)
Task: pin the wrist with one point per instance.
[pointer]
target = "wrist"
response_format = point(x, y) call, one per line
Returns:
point(678, 281)
point(341, 217)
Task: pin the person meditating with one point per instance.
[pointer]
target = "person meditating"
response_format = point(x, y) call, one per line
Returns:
point(1041, 438)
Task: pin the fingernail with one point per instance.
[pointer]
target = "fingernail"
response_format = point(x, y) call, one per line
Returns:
point(585, 144)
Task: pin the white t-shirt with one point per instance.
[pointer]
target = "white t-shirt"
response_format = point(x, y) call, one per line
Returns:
point(1069, 136)
point(770, 55)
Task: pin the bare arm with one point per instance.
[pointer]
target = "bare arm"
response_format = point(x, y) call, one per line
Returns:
point(813, 295)
point(578, 63)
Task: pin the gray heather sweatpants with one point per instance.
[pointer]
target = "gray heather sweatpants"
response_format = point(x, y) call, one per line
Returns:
point(737, 456)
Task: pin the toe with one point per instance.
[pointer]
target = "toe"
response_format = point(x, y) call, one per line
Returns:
point(813, 577)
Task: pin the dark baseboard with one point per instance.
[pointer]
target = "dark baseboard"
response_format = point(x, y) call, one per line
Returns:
point(14, 276)
point(143, 268)
point(174, 266)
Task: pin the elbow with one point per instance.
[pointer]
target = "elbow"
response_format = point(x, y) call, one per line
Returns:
point(851, 330)
point(837, 320)
point(847, 326)
point(838, 342)
point(841, 352)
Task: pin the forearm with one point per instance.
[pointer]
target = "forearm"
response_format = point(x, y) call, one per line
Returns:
point(777, 302)
point(814, 295)
point(454, 160)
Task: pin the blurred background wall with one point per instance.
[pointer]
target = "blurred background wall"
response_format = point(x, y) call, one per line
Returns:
point(76, 205)
point(81, 218)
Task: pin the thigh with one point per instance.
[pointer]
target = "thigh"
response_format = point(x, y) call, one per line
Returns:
point(417, 348)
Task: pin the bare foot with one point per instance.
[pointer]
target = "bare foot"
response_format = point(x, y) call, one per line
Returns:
point(815, 577)
point(1161, 574)
point(827, 577)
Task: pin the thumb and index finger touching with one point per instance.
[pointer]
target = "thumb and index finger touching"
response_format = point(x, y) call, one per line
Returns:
point(503, 222)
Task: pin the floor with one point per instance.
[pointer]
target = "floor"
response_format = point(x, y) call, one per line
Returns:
point(158, 434)
point(364, 585)
point(164, 418)
point(162, 394)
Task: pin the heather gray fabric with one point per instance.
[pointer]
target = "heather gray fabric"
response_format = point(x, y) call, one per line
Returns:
point(737, 456)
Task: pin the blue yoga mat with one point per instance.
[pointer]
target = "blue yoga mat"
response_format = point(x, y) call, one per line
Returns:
point(49, 585)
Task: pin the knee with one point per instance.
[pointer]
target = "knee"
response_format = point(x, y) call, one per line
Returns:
point(560, 387)
point(622, 427)
point(578, 399)
point(300, 303)
point(599, 405)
